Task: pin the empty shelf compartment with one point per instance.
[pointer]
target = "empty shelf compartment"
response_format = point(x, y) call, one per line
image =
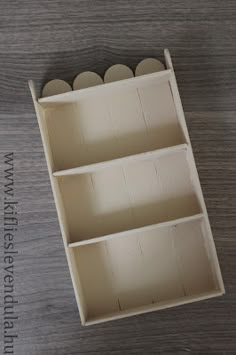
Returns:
point(122, 198)
point(169, 264)
point(117, 124)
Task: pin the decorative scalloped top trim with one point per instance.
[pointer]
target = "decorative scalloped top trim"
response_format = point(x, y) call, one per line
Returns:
point(114, 73)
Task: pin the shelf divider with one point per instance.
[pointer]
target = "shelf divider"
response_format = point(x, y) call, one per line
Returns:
point(135, 230)
point(85, 169)
point(152, 307)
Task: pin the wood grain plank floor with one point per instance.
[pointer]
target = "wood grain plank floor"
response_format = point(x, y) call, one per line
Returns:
point(44, 39)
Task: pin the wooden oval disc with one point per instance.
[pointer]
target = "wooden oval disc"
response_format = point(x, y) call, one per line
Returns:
point(117, 72)
point(148, 66)
point(55, 87)
point(86, 80)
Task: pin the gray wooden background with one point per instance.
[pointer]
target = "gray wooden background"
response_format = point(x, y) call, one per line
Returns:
point(42, 40)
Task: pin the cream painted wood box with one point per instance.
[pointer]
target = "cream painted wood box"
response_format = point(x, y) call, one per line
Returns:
point(130, 206)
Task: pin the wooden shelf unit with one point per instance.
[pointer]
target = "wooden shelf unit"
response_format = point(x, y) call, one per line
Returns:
point(129, 201)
